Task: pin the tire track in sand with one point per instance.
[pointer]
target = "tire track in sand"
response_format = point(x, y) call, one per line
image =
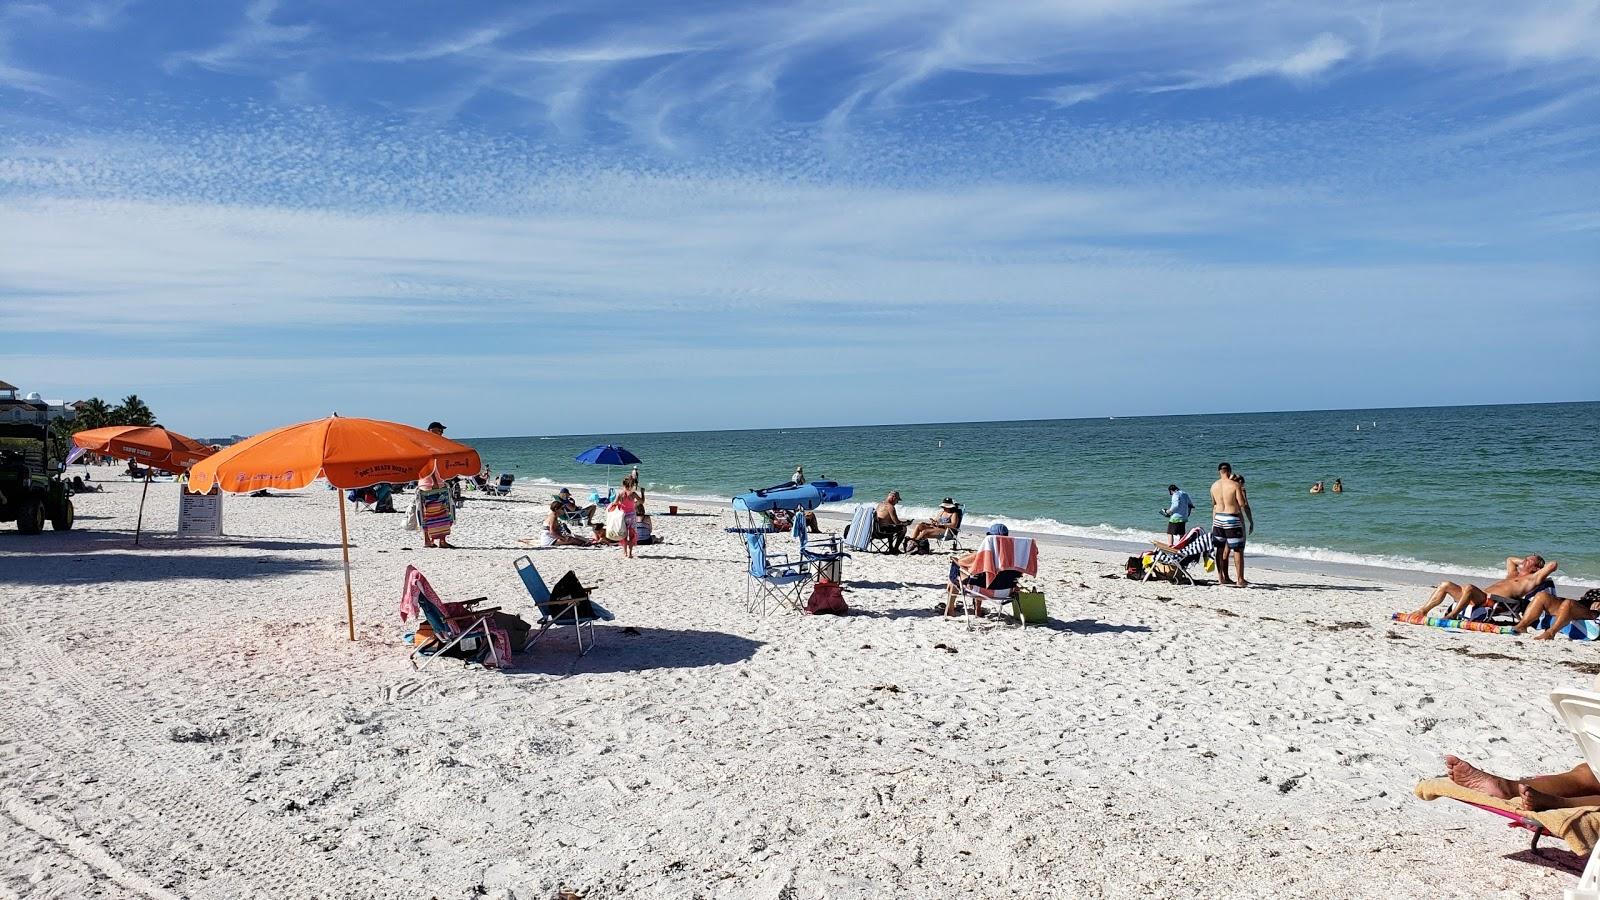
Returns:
point(95, 734)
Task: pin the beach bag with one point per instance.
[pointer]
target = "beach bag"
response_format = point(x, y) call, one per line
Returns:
point(1029, 607)
point(1135, 567)
point(616, 522)
point(414, 514)
point(826, 597)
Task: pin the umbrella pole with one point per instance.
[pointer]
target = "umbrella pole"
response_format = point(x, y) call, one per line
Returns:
point(139, 526)
point(344, 537)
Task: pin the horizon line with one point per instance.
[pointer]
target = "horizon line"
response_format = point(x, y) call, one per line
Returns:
point(1265, 412)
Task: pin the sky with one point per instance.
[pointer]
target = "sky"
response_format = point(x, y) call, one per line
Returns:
point(542, 218)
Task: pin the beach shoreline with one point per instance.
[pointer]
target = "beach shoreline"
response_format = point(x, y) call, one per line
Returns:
point(188, 716)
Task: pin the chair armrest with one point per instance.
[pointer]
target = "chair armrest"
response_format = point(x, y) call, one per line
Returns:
point(473, 616)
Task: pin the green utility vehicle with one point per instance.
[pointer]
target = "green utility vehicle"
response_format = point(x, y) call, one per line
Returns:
point(31, 489)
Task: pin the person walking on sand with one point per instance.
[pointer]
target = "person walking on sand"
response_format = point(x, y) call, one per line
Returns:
point(435, 536)
point(628, 500)
point(1177, 511)
point(1229, 511)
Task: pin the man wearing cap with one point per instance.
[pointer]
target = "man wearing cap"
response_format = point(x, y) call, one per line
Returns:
point(570, 507)
point(436, 428)
point(1178, 512)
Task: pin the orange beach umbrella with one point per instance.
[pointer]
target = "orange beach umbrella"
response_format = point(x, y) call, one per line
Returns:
point(349, 453)
point(152, 445)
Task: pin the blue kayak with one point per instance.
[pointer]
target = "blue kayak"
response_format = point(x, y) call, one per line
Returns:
point(794, 496)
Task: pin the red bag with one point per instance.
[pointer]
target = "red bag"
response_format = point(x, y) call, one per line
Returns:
point(827, 597)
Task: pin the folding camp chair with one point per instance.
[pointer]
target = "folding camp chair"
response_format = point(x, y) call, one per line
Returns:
point(454, 625)
point(578, 611)
point(773, 576)
point(858, 535)
point(864, 534)
point(825, 556)
point(951, 535)
point(1196, 545)
point(501, 487)
point(1000, 563)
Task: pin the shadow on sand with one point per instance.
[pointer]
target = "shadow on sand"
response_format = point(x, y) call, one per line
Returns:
point(132, 565)
point(623, 649)
point(88, 541)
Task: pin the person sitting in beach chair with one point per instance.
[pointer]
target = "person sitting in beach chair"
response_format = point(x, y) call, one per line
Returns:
point(571, 512)
point(1525, 578)
point(887, 524)
point(945, 526)
point(991, 573)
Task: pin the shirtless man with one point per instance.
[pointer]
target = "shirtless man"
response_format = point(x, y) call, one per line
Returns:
point(1524, 576)
point(888, 522)
point(1229, 512)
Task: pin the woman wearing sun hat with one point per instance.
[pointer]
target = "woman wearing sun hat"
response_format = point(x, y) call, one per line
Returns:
point(949, 518)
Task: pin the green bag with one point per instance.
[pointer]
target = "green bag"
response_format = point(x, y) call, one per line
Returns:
point(1030, 607)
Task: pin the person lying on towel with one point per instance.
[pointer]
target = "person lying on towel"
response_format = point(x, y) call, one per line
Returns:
point(1525, 578)
point(1577, 787)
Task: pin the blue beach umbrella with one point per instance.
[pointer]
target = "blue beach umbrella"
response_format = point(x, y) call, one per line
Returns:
point(607, 455)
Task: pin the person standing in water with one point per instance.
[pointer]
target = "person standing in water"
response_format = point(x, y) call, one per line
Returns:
point(1177, 512)
point(1338, 486)
point(1229, 508)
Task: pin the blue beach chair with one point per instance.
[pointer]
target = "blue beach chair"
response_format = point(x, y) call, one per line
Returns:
point(579, 612)
point(772, 576)
point(828, 556)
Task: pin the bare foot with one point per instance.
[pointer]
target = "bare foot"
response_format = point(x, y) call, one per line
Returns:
point(1547, 636)
point(1242, 583)
point(1537, 801)
point(1473, 778)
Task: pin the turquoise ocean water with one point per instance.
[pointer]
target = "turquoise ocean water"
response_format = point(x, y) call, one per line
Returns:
point(1444, 488)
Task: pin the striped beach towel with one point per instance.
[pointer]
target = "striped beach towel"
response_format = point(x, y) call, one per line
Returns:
point(1002, 553)
point(1452, 624)
point(438, 513)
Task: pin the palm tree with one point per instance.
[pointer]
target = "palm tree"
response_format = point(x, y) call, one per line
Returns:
point(132, 411)
point(94, 413)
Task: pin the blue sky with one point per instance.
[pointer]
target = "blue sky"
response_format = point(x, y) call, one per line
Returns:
point(538, 218)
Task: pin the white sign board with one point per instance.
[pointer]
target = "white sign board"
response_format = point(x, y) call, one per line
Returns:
point(200, 515)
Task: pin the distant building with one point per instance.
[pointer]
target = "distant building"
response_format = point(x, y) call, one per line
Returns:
point(22, 409)
point(31, 407)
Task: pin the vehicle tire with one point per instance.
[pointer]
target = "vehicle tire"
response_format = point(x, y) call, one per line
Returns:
point(30, 518)
point(62, 520)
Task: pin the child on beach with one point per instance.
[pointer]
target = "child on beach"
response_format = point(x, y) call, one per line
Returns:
point(628, 500)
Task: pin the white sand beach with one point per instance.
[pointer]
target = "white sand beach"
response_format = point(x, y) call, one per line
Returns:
point(187, 719)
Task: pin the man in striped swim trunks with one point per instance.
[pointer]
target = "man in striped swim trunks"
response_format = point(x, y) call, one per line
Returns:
point(1229, 512)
